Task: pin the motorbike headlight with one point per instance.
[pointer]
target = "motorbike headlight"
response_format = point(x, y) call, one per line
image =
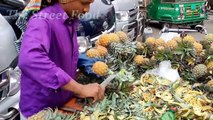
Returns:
point(83, 43)
point(122, 16)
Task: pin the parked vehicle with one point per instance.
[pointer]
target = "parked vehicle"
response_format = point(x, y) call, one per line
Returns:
point(210, 4)
point(128, 17)
point(180, 12)
point(101, 19)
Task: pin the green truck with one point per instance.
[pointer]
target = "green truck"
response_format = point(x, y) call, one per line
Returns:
point(180, 12)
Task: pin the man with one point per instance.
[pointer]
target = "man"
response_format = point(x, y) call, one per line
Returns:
point(48, 58)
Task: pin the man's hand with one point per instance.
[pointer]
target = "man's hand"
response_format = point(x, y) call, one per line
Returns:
point(95, 91)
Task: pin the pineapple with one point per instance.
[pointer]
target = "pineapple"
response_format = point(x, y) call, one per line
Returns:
point(189, 39)
point(122, 36)
point(92, 53)
point(105, 40)
point(100, 68)
point(150, 41)
point(97, 43)
point(177, 39)
point(211, 47)
point(159, 42)
point(207, 41)
point(199, 70)
point(210, 83)
point(172, 44)
point(140, 60)
point(114, 37)
point(210, 65)
point(198, 47)
point(208, 37)
point(39, 116)
point(102, 50)
point(140, 46)
point(160, 48)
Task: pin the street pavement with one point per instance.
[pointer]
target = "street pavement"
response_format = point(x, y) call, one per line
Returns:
point(156, 27)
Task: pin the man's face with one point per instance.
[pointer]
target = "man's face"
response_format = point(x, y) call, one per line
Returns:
point(77, 8)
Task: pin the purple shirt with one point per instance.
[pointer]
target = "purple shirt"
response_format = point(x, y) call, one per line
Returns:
point(48, 60)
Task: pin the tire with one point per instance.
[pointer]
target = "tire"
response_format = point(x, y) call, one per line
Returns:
point(163, 24)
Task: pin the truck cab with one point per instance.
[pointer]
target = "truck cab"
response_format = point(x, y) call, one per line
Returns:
point(128, 17)
point(180, 12)
point(100, 19)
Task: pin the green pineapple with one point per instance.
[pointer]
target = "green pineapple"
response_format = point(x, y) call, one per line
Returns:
point(206, 42)
point(199, 70)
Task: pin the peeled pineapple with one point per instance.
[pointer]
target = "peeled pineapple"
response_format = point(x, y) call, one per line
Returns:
point(172, 44)
point(189, 39)
point(140, 60)
point(102, 50)
point(92, 53)
point(105, 40)
point(150, 41)
point(198, 47)
point(159, 42)
point(122, 36)
point(100, 68)
point(199, 70)
point(39, 116)
point(114, 37)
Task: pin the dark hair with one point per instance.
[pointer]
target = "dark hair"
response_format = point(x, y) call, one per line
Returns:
point(46, 3)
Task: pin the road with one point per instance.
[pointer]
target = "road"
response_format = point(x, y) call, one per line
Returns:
point(207, 23)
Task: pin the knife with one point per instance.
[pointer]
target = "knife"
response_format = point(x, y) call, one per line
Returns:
point(108, 80)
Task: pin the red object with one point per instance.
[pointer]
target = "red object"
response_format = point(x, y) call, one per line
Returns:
point(72, 106)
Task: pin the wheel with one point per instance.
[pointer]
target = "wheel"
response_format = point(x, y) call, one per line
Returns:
point(164, 24)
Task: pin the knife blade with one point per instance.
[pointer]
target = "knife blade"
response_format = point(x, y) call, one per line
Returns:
point(108, 80)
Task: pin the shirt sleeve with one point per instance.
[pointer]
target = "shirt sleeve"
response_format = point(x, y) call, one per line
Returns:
point(33, 58)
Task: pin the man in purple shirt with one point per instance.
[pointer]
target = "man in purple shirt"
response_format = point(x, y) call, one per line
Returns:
point(48, 58)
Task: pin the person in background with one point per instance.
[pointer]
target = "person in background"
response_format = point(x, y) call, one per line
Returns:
point(49, 55)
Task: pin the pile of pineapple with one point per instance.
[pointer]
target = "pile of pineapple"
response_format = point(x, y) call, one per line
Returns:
point(161, 94)
point(130, 59)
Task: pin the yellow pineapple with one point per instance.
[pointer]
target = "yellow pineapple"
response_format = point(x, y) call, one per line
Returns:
point(100, 68)
point(189, 39)
point(105, 40)
point(150, 41)
point(92, 53)
point(114, 37)
point(122, 36)
point(102, 50)
point(210, 83)
point(198, 47)
point(172, 44)
point(97, 43)
point(140, 46)
point(140, 60)
point(210, 65)
point(159, 42)
point(177, 39)
point(160, 48)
